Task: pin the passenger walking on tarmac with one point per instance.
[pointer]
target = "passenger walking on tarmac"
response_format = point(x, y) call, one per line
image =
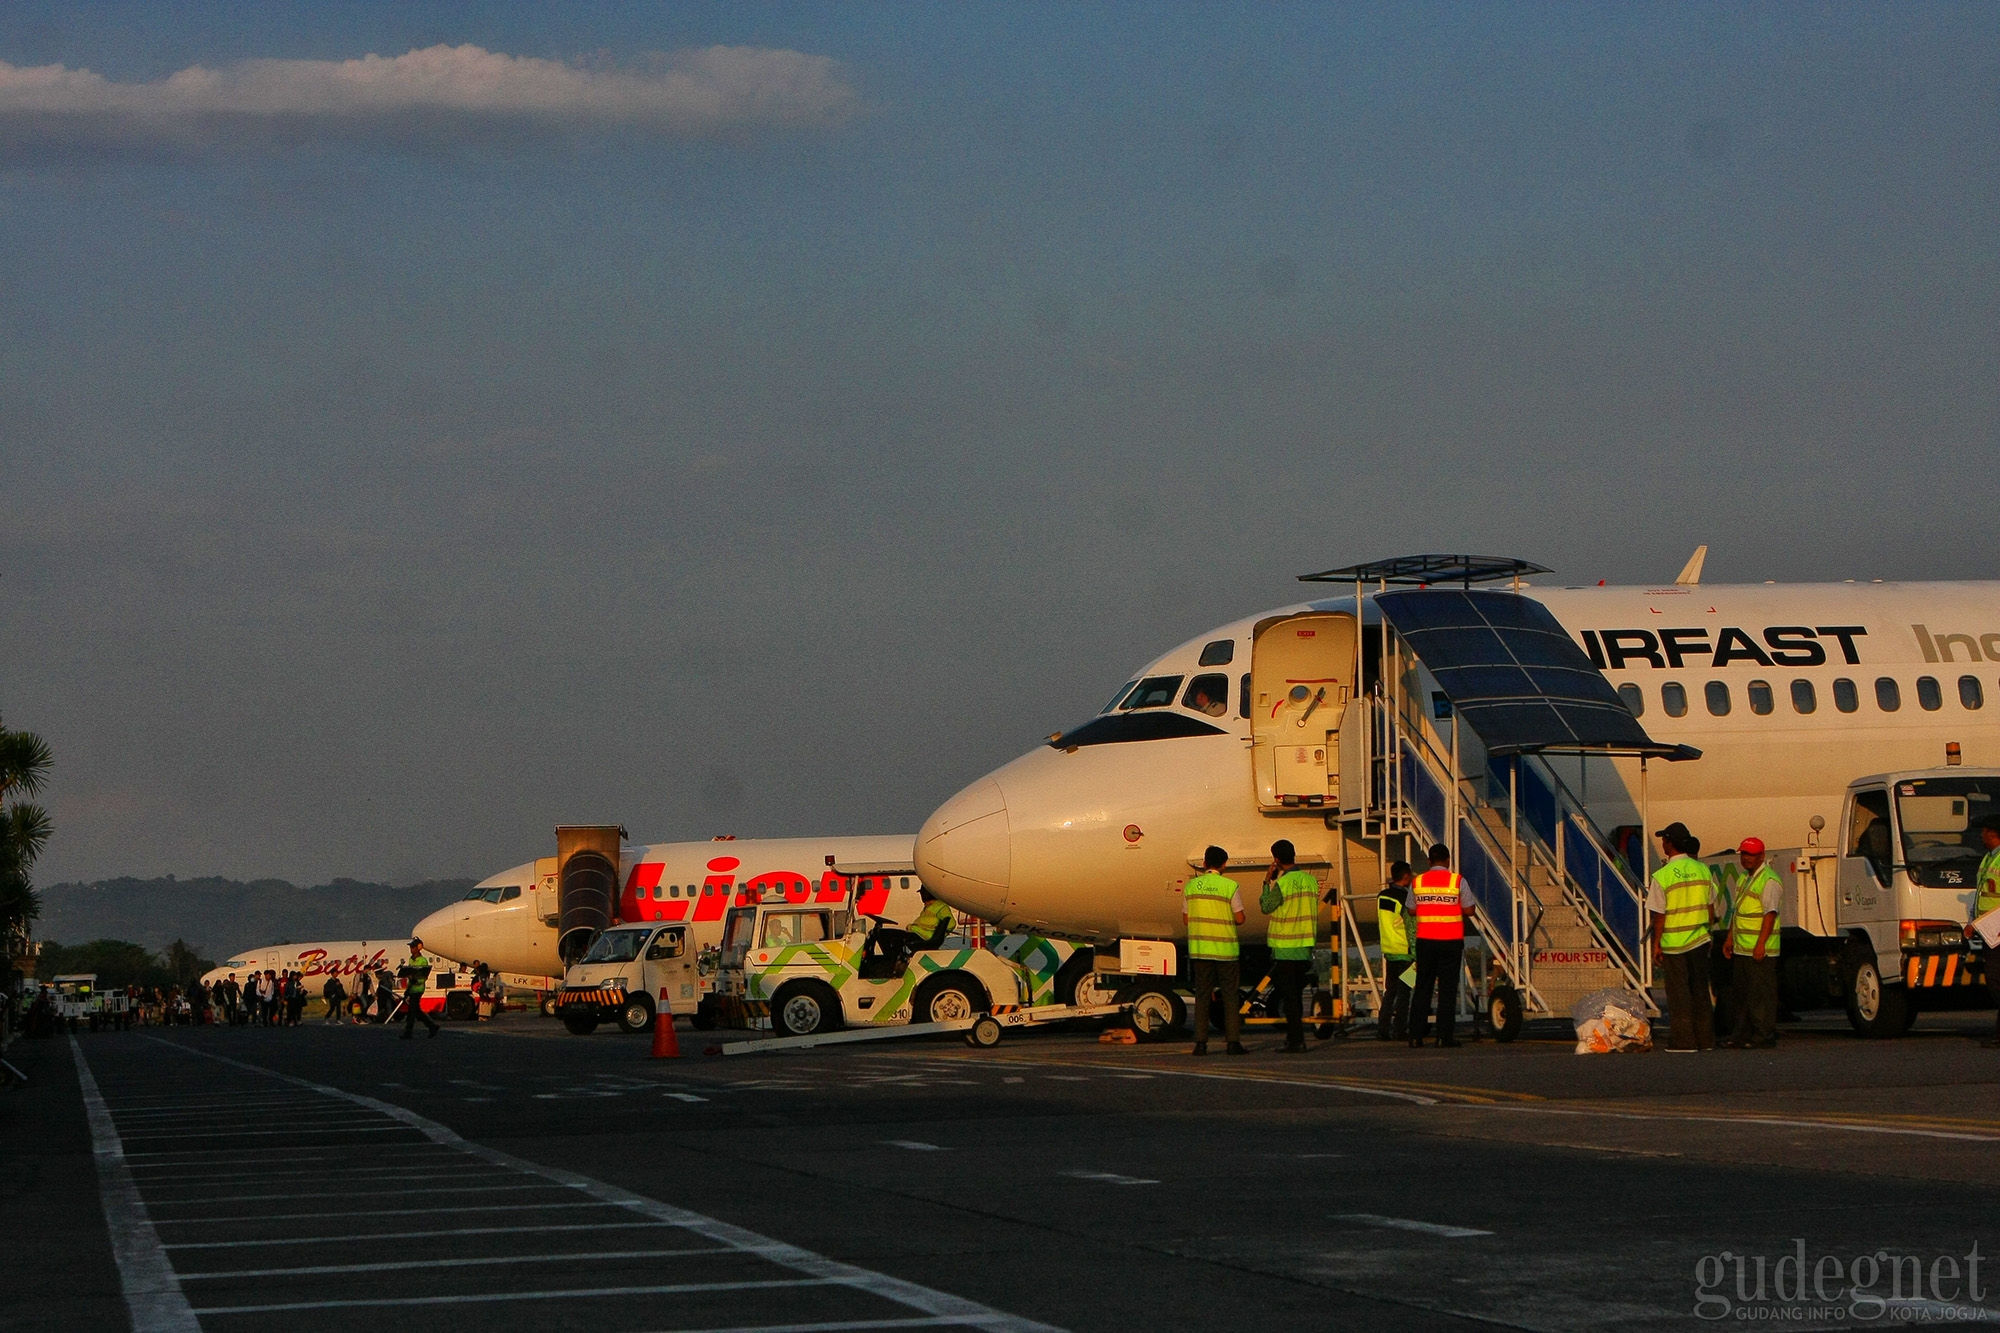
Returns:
point(1986, 900)
point(267, 998)
point(1751, 945)
point(1681, 901)
point(335, 996)
point(1440, 909)
point(418, 970)
point(1392, 927)
point(1291, 901)
point(1212, 908)
point(298, 997)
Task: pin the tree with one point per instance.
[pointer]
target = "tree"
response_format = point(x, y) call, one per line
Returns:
point(25, 760)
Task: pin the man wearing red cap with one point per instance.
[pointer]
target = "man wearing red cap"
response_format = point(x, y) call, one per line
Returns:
point(1751, 945)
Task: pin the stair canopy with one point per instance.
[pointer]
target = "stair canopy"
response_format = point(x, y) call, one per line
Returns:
point(1515, 676)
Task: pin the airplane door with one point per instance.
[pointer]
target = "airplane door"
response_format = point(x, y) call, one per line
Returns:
point(1301, 678)
point(670, 968)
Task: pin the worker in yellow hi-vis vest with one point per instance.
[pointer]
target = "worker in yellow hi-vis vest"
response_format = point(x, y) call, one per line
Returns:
point(1681, 901)
point(1986, 898)
point(1751, 945)
point(1212, 907)
point(1291, 901)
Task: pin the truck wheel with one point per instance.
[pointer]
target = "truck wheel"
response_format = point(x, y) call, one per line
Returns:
point(1874, 1009)
point(1157, 1013)
point(1503, 1011)
point(802, 1008)
point(581, 1027)
point(704, 1015)
point(1076, 982)
point(548, 1006)
point(984, 1033)
point(636, 1014)
point(459, 1006)
point(948, 1001)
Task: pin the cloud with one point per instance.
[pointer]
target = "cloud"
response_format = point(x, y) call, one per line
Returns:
point(437, 92)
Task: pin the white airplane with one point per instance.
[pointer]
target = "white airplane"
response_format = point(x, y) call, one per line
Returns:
point(508, 920)
point(1232, 738)
point(316, 960)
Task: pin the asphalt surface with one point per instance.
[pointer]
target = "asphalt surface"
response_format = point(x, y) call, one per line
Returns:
point(511, 1176)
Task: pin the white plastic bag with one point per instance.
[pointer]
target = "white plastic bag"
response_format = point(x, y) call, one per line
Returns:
point(1611, 1020)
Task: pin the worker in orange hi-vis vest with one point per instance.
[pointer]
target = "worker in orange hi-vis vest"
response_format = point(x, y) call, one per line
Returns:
point(1439, 899)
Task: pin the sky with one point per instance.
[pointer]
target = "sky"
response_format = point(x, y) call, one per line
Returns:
point(421, 425)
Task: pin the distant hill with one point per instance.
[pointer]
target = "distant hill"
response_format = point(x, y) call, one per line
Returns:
point(220, 916)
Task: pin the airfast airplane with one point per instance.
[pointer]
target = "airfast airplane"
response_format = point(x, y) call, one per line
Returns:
point(508, 920)
point(1789, 692)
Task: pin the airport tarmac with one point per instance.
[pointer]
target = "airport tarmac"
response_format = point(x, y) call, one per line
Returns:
point(511, 1176)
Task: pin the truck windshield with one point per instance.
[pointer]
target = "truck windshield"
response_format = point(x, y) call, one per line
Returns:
point(617, 946)
point(1940, 820)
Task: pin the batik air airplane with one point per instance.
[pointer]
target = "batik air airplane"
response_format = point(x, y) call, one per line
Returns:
point(508, 920)
point(1788, 692)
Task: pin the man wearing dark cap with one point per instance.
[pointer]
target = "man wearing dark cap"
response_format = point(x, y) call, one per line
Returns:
point(1681, 901)
point(1751, 945)
point(418, 970)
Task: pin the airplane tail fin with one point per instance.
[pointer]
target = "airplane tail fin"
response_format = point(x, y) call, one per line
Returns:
point(1690, 573)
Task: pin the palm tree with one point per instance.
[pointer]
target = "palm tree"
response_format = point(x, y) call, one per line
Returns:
point(25, 760)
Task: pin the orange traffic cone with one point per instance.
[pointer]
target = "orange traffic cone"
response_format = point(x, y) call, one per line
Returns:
point(666, 1045)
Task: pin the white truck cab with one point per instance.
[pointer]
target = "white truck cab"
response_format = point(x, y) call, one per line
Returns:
point(629, 972)
point(1909, 852)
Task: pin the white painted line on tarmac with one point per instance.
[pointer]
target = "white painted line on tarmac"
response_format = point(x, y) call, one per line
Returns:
point(415, 1235)
point(946, 1321)
point(1317, 1156)
point(481, 1262)
point(365, 1191)
point(490, 1297)
point(1011, 1079)
point(686, 1097)
point(1410, 1224)
point(1781, 1122)
point(325, 1216)
point(914, 1145)
point(358, 1127)
point(1109, 1178)
point(912, 1295)
point(152, 1293)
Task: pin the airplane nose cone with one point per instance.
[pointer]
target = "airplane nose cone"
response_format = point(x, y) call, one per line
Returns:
point(965, 850)
point(439, 931)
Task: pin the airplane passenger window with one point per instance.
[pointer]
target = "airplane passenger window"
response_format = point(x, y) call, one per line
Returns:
point(1970, 695)
point(1844, 697)
point(1674, 698)
point(1219, 653)
point(1716, 693)
point(1805, 699)
point(1123, 690)
point(1152, 692)
point(1207, 694)
point(510, 893)
point(1888, 694)
point(1633, 698)
point(1760, 697)
point(1929, 695)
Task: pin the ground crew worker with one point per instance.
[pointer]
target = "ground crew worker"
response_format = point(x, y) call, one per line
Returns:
point(1392, 926)
point(1291, 901)
point(933, 923)
point(1440, 909)
point(1751, 945)
point(1212, 908)
point(1986, 900)
point(1681, 900)
point(418, 970)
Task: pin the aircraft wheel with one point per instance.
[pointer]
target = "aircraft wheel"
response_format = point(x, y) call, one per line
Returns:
point(802, 1008)
point(1157, 1013)
point(984, 1033)
point(1503, 1012)
point(581, 1027)
point(636, 1014)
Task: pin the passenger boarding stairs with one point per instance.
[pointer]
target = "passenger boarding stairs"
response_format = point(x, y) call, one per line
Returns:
point(1560, 912)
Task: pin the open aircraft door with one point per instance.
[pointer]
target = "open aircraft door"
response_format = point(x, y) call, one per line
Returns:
point(1301, 678)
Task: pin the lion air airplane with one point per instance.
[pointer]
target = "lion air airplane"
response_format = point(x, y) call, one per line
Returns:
point(508, 920)
point(1788, 692)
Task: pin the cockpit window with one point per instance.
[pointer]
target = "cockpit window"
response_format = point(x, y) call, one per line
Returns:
point(1207, 694)
point(1117, 698)
point(1152, 692)
point(492, 895)
point(510, 893)
point(1219, 653)
point(617, 946)
point(473, 895)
